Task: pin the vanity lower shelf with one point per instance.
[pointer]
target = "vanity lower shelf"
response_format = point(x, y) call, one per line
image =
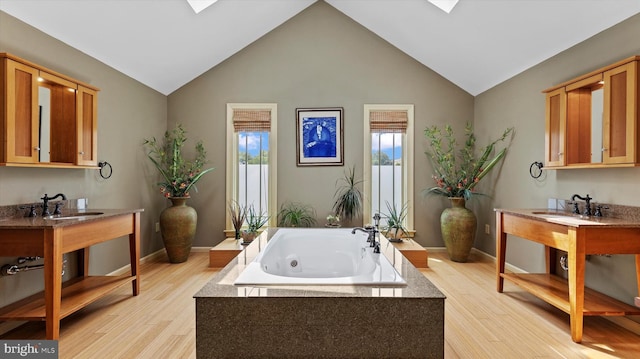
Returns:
point(76, 294)
point(554, 290)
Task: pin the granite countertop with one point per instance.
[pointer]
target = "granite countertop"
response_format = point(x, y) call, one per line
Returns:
point(570, 219)
point(40, 222)
point(221, 285)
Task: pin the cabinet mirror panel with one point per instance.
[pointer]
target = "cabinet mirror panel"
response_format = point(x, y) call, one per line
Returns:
point(57, 125)
point(597, 116)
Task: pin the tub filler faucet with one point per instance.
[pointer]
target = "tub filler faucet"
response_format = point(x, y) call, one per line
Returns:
point(371, 231)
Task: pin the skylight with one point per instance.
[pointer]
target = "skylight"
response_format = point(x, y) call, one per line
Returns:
point(199, 5)
point(444, 5)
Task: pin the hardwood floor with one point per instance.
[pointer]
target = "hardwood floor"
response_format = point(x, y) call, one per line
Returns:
point(479, 322)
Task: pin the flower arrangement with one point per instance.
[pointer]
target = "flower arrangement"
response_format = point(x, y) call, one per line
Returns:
point(333, 220)
point(458, 171)
point(179, 175)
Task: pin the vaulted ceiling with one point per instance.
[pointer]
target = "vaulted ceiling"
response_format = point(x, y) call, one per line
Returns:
point(164, 44)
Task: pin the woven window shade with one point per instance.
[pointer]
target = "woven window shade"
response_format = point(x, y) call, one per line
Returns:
point(388, 121)
point(251, 120)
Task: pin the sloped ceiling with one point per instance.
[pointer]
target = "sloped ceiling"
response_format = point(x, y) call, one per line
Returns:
point(164, 44)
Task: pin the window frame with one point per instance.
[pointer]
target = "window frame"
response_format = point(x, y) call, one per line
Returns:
point(407, 161)
point(232, 165)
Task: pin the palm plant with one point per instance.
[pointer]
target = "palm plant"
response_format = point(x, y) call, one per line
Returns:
point(293, 214)
point(348, 197)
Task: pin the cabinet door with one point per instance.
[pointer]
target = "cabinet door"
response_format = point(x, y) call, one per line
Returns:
point(22, 115)
point(87, 126)
point(619, 128)
point(555, 128)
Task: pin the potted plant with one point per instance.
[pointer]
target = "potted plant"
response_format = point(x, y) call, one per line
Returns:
point(333, 221)
point(395, 230)
point(348, 197)
point(179, 177)
point(294, 214)
point(237, 214)
point(255, 221)
point(457, 172)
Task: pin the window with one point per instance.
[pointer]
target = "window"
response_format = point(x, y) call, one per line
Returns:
point(388, 159)
point(251, 154)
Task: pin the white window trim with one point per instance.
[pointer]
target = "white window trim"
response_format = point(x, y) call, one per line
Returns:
point(407, 160)
point(232, 189)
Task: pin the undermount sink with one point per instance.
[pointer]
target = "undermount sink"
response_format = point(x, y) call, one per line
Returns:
point(552, 213)
point(78, 215)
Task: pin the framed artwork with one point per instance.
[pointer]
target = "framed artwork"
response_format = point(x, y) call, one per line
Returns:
point(319, 137)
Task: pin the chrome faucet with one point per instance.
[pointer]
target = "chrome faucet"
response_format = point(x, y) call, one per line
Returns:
point(372, 231)
point(587, 206)
point(45, 204)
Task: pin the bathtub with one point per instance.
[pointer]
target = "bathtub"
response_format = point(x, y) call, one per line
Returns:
point(319, 256)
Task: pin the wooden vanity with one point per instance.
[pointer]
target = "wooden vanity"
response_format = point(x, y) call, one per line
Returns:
point(50, 239)
point(578, 237)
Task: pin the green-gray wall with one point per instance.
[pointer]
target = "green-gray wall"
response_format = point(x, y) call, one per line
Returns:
point(319, 58)
point(127, 113)
point(519, 101)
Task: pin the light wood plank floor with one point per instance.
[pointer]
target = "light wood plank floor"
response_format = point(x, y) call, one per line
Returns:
point(479, 322)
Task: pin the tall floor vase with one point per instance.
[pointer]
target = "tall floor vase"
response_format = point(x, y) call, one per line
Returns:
point(178, 227)
point(458, 225)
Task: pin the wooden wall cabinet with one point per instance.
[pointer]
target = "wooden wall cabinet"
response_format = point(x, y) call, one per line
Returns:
point(46, 119)
point(592, 121)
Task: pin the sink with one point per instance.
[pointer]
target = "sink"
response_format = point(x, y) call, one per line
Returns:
point(552, 213)
point(78, 215)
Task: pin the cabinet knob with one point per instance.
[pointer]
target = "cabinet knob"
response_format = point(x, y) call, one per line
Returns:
point(560, 153)
point(604, 149)
point(81, 152)
point(36, 148)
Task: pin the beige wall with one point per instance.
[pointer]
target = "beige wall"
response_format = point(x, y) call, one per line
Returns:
point(127, 113)
point(320, 58)
point(519, 102)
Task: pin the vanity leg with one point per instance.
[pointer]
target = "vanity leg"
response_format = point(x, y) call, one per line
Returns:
point(501, 250)
point(638, 272)
point(52, 282)
point(576, 258)
point(550, 256)
point(134, 253)
point(83, 262)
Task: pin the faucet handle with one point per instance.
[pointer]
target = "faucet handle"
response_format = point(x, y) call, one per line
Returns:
point(599, 209)
point(576, 209)
point(57, 209)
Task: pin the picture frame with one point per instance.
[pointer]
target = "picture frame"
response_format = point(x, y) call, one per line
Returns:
point(319, 136)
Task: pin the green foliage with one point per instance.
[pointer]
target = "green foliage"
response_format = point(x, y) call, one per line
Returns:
point(247, 158)
point(458, 173)
point(396, 216)
point(178, 174)
point(380, 158)
point(348, 197)
point(255, 220)
point(293, 214)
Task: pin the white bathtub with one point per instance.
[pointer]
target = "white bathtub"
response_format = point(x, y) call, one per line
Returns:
point(319, 256)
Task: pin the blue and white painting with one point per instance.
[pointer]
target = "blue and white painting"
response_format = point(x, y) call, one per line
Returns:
point(319, 137)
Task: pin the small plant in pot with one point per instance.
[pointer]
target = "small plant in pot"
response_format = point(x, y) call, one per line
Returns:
point(395, 230)
point(294, 214)
point(237, 214)
point(348, 196)
point(333, 221)
point(255, 221)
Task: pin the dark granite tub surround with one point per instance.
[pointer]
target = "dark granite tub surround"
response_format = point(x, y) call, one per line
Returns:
point(319, 321)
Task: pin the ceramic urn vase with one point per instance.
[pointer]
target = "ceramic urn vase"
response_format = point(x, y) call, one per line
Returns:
point(458, 225)
point(178, 227)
